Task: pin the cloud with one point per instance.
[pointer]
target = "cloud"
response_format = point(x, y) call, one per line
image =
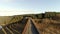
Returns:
point(6, 0)
point(7, 10)
point(11, 12)
point(16, 13)
point(10, 0)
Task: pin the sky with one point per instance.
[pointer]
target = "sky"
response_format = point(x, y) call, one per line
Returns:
point(15, 7)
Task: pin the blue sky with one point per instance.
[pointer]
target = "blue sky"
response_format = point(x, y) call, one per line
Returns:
point(29, 5)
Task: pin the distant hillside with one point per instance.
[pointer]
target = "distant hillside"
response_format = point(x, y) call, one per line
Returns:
point(11, 19)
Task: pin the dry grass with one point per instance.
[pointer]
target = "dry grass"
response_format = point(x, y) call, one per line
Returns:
point(48, 26)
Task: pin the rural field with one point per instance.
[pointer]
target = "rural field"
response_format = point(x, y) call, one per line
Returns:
point(43, 23)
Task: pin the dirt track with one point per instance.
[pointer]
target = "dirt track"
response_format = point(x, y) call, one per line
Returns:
point(30, 28)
